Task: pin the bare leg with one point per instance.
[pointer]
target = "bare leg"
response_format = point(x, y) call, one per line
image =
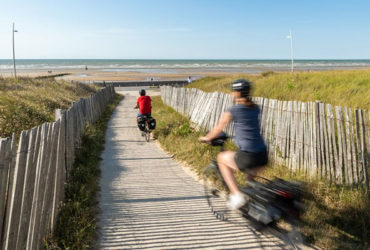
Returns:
point(226, 165)
point(252, 173)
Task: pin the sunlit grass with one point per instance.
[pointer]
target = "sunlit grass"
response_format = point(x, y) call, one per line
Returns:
point(349, 88)
point(29, 102)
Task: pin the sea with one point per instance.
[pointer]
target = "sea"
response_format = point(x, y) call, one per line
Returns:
point(177, 66)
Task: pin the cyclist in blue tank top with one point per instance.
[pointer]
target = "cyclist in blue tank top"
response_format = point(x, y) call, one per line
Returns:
point(252, 154)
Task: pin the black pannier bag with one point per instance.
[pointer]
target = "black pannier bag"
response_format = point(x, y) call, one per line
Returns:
point(141, 123)
point(152, 123)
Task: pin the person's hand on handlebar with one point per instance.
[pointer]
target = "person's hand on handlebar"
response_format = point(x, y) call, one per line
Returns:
point(204, 139)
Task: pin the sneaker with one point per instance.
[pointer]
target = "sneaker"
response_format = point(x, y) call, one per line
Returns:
point(236, 201)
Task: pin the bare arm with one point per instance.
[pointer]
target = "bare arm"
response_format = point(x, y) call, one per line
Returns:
point(225, 119)
point(137, 105)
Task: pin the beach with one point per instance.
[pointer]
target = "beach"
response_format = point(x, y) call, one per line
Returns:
point(90, 70)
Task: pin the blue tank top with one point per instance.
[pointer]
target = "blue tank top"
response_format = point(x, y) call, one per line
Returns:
point(247, 130)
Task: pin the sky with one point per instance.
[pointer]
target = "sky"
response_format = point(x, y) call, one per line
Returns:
point(185, 29)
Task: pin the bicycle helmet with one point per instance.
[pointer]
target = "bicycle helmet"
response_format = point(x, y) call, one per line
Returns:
point(241, 85)
point(142, 92)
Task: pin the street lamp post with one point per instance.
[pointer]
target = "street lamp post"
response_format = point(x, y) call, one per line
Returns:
point(15, 71)
point(291, 50)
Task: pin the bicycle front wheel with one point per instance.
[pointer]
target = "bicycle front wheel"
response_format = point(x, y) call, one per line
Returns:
point(215, 191)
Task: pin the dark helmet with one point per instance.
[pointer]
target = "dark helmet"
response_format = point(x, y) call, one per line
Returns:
point(242, 85)
point(142, 92)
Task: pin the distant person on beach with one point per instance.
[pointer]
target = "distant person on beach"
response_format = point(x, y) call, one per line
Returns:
point(144, 104)
point(86, 67)
point(252, 154)
point(190, 80)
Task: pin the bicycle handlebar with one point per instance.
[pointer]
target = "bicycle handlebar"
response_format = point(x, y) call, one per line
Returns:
point(219, 141)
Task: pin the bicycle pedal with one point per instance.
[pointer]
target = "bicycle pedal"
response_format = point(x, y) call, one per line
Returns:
point(215, 192)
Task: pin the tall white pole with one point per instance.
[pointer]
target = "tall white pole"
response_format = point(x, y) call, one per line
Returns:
point(291, 50)
point(15, 71)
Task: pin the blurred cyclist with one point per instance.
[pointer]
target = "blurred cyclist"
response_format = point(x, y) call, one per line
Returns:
point(252, 154)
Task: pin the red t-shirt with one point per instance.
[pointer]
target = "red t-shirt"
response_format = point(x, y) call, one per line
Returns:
point(145, 105)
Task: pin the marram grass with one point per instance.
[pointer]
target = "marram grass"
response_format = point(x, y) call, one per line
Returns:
point(349, 88)
point(29, 102)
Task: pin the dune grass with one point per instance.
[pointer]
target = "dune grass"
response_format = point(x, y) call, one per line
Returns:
point(29, 102)
point(336, 218)
point(76, 224)
point(349, 88)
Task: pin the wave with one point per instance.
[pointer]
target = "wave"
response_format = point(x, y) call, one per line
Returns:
point(101, 65)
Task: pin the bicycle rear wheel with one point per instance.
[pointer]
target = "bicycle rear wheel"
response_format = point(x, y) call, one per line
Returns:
point(147, 132)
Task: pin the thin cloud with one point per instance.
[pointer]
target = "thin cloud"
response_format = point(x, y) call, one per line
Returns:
point(172, 30)
point(117, 31)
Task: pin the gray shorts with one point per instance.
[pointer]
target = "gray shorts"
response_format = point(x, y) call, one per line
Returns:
point(248, 160)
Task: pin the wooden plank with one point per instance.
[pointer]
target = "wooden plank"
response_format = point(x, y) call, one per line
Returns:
point(293, 136)
point(312, 143)
point(318, 139)
point(363, 151)
point(288, 135)
point(337, 169)
point(352, 132)
point(309, 158)
point(299, 144)
point(12, 163)
point(348, 170)
point(29, 183)
point(34, 231)
point(329, 143)
point(327, 161)
point(60, 171)
point(276, 127)
point(291, 131)
point(263, 116)
point(16, 196)
point(341, 142)
point(5, 158)
point(272, 138)
point(281, 131)
point(367, 138)
point(47, 200)
point(305, 141)
point(277, 132)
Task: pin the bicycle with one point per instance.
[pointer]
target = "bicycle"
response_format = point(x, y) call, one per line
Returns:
point(146, 124)
point(268, 201)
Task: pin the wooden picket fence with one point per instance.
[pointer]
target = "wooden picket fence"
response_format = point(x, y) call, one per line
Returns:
point(311, 137)
point(33, 173)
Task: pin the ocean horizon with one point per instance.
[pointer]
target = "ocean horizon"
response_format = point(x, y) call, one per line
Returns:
point(180, 65)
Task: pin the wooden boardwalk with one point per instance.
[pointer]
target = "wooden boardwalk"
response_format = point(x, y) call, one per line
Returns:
point(148, 201)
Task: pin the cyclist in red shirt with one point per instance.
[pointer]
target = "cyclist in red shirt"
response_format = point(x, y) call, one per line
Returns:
point(144, 104)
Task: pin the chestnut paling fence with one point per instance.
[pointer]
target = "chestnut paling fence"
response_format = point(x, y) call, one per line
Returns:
point(33, 172)
point(311, 137)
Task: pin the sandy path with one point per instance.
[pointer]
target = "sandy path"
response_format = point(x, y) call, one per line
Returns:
point(149, 202)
